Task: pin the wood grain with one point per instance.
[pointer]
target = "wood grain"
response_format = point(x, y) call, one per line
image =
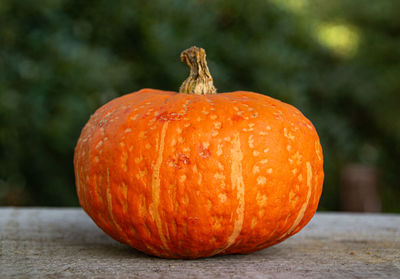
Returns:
point(65, 243)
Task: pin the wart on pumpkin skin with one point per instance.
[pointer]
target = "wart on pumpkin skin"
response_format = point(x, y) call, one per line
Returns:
point(217, 125)
point(251, 141)
point(261, 180)
point(169, 116)
point(182, 178)
point(134, 117)
point(214, 133)
point(99, 144)
point(256, 169)
point(219, 150)
point(204, 152)
point(219, 175)
point(222, 197)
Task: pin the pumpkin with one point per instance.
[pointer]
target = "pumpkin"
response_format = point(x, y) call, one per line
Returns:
point(193, 173)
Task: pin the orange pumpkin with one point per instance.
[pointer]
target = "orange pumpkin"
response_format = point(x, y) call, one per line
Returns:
point(195, 173)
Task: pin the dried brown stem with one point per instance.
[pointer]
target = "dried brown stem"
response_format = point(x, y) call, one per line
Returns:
point(199, 81)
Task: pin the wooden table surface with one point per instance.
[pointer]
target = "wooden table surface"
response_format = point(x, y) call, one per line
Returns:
point(65, 243)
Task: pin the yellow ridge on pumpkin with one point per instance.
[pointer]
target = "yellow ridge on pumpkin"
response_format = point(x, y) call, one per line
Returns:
point(155, 186)
point(238, 184)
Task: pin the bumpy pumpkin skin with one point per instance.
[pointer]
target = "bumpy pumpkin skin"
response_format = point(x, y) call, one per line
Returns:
point(188, 176)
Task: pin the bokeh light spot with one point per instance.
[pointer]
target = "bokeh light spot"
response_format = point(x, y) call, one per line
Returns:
point(342, 39)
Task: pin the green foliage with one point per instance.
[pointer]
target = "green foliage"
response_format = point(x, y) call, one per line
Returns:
point(61, 59)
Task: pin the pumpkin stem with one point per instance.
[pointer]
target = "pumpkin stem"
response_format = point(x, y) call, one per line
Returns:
point(199, 81)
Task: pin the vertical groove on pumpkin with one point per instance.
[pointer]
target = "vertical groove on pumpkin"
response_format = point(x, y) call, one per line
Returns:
point(78, 185)
point(304, 207)
point(82, 190)
point(110, 206)
point(155, 186)
point(85, 191)
point(315, 189)
point(125, 207)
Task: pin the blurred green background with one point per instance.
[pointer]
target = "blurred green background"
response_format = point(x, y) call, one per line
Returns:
point(337, 61)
